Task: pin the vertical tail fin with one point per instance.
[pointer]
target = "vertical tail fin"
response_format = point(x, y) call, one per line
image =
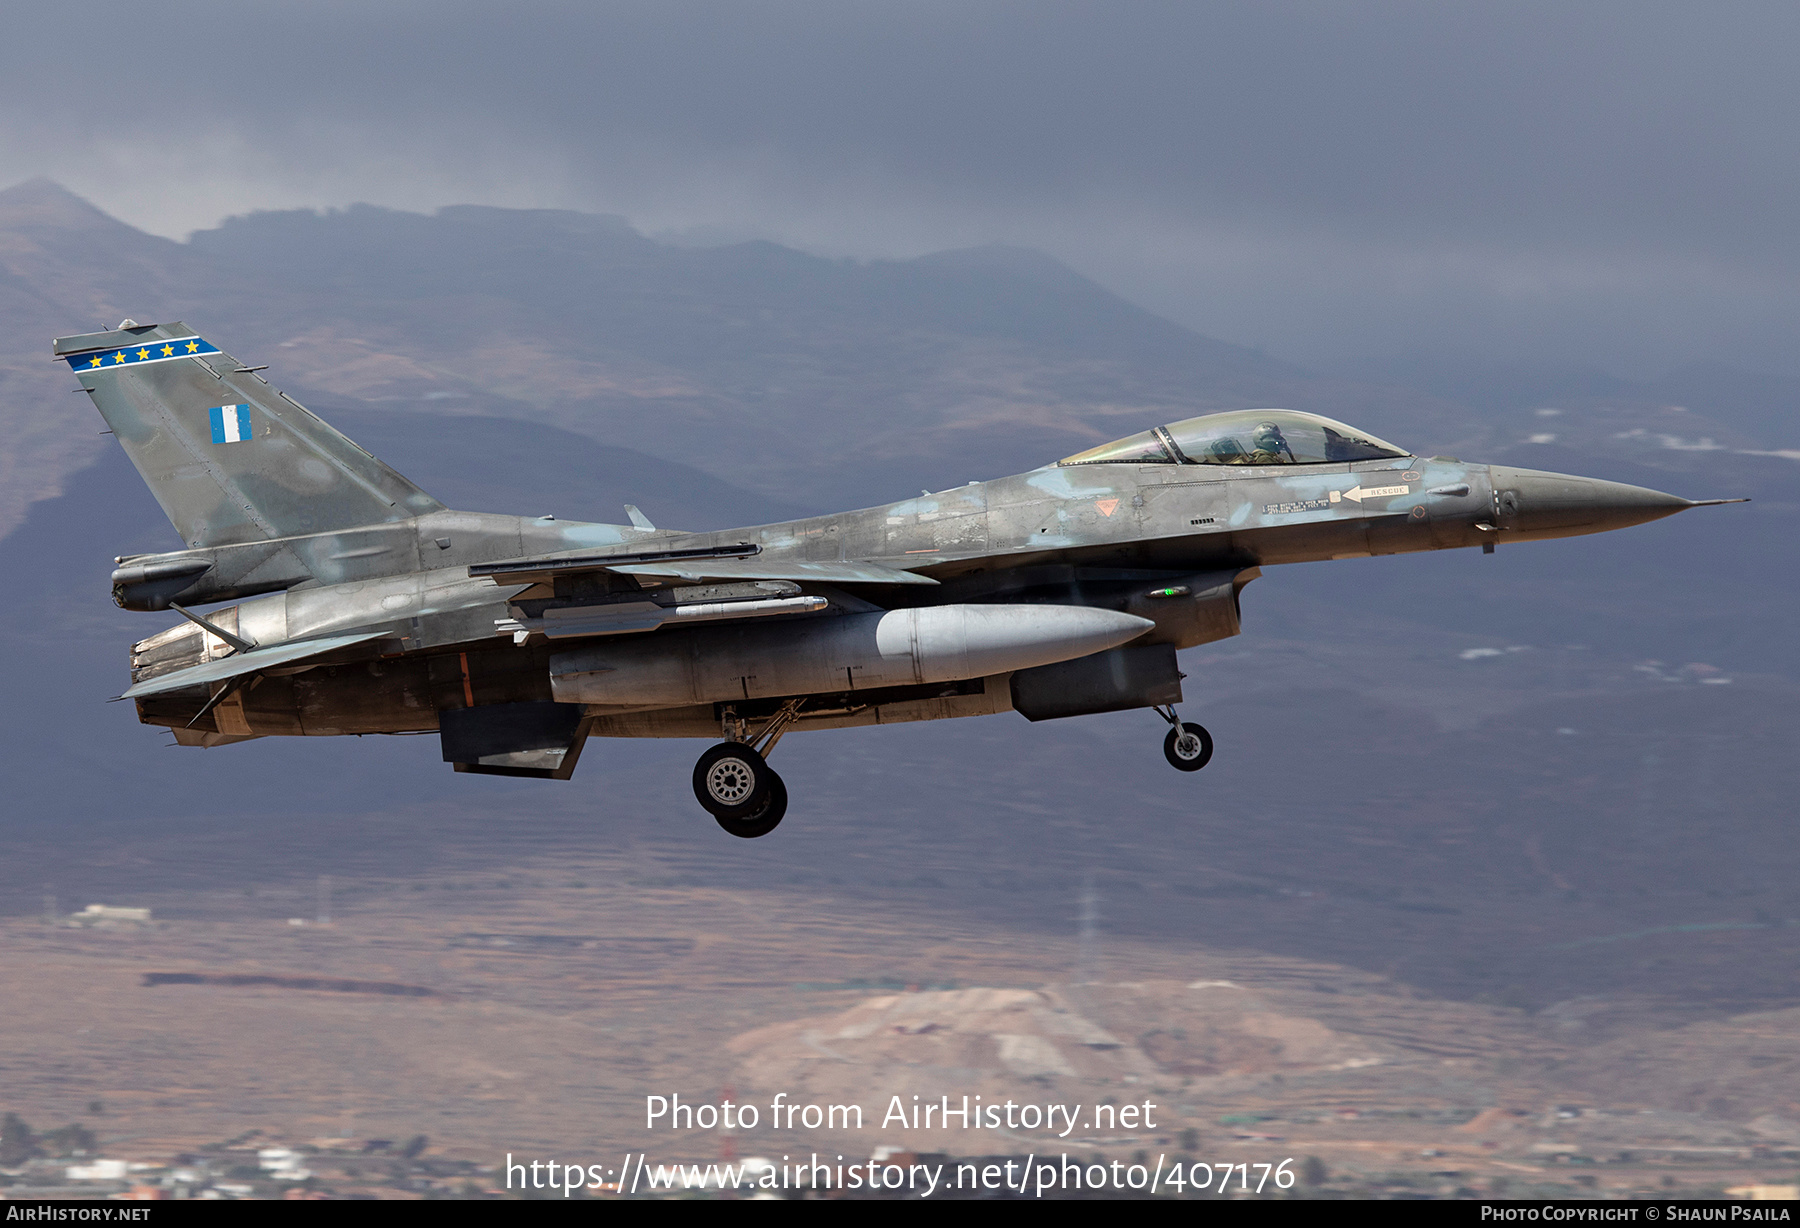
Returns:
point(230, 458)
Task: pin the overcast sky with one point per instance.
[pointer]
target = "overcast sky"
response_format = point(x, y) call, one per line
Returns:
point(1614, 184)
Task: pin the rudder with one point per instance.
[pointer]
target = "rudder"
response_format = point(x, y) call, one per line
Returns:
point(229, 457)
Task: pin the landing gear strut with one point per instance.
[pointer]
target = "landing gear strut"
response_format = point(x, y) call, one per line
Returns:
point(734, 781)
point(1187, 746)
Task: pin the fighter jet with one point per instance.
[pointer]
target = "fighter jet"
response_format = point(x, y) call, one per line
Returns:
point(363, 605)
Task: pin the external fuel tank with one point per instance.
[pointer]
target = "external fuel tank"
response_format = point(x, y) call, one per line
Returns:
point(853, 652)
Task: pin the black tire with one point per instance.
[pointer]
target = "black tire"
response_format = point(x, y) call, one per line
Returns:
point(765, 820)
point(1183, 740)
point(731, 781)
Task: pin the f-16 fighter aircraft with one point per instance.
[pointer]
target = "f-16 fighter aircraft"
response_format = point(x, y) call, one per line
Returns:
point(363, 605)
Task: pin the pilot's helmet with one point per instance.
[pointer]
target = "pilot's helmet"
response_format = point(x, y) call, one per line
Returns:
point(1267, 437)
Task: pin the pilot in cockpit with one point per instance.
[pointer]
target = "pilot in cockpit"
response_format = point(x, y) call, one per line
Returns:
point(1267, 447)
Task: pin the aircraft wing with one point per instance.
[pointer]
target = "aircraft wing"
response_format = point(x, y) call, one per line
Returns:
point(241, 663)
point(750, 569)
point(737, 562)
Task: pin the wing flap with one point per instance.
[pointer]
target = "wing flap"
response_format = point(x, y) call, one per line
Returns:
point(239, 664)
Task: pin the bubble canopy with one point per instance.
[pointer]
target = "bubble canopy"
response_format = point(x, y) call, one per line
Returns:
point(1243, 437)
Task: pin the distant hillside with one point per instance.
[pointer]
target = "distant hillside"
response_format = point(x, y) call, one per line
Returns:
point(822, 383)
point(825, 380)
point(819, 383)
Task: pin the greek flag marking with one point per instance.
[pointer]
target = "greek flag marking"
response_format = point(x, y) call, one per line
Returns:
point(230, 423)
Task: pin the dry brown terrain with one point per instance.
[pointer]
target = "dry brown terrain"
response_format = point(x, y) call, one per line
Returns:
point(532, 1008)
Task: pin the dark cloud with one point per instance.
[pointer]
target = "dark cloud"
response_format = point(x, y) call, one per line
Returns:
point(1611, 181)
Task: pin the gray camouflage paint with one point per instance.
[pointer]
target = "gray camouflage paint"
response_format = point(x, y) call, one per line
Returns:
point(313, 537)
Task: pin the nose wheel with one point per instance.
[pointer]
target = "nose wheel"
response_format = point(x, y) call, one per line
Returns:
point(734, 782)
point(1187, 746)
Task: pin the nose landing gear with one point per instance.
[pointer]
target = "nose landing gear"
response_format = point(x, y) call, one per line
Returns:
point(1187, 746)
point(734, 781)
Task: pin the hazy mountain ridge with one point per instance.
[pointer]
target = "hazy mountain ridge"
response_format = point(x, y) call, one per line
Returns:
point(767, 366)
point(824, 382)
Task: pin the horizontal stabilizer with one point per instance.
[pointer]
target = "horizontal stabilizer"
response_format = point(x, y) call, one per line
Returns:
point(241, 663)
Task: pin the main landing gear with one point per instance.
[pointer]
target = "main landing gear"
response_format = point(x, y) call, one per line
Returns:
point(734, 781)
point(1187, 746)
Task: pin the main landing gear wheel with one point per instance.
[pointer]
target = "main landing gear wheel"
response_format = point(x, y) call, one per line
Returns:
point(765, 820)
point(732, 782)
point(1188, 746)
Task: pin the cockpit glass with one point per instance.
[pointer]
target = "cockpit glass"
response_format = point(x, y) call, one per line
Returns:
point(1144, 449)
point(1245, 437)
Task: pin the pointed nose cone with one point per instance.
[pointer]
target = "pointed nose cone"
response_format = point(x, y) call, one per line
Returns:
point(1537, 504)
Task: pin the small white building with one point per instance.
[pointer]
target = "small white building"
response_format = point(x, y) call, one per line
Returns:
point(110, 912)
point(283, 1163)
